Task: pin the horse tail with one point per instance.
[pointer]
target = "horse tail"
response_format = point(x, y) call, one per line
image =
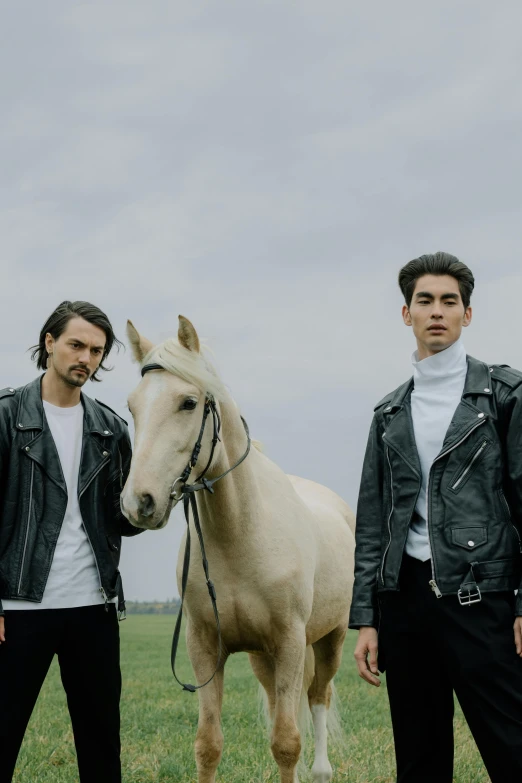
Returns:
point(333, 721)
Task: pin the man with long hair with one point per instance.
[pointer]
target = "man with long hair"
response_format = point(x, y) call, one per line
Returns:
point(64, 458)
point(438, 540)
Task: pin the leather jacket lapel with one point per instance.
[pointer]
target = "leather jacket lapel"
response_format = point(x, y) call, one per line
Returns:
point(41, 447)
point(43, 450)
point(466, 418)
point(399, 434)
point(468, 415)
point(96, 448)
point(399, 424)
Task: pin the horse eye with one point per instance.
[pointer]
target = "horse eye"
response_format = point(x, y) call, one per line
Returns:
point(189, 405)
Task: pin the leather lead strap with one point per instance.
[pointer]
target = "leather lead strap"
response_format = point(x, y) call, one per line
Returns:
point(190, 500)
point(189, 503)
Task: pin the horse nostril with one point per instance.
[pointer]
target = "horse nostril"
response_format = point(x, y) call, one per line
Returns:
point(146, 506)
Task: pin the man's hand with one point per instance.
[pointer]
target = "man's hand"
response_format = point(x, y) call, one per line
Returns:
point(518, 635)
point(2, 630)
point(367, 645)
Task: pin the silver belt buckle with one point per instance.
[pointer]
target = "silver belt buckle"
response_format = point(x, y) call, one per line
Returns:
point(470, 596)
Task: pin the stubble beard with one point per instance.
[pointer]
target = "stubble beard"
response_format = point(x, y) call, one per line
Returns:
point(70, 380)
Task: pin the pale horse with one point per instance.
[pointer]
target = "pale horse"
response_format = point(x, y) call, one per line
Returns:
point(280, 550)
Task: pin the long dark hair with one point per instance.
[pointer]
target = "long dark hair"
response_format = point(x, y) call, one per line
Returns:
point(436, 264)
point(57, 323)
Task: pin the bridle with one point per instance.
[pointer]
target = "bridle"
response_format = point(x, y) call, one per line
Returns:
point(187, 492)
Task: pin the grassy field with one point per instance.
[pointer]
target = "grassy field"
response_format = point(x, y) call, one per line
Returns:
point(159, 723)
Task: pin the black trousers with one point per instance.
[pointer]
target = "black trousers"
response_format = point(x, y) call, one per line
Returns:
point(86, 641)
point(433, 647)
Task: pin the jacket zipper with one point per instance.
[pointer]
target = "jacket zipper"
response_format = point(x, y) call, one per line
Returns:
point(433, 582)
point(27, 529)
point(101, 588)
point(470, 465)
point(508, 512)
point(389, 517)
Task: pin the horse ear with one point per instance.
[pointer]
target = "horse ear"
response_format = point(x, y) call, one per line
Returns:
point(140, 345)
point(187, 335)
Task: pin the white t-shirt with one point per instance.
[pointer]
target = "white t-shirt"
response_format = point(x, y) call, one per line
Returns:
point(73, 579)
point(439, 384)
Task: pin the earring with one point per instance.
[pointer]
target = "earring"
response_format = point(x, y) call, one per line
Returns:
point(49, 360)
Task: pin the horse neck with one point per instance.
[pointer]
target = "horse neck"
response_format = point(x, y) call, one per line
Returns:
point(227, 512)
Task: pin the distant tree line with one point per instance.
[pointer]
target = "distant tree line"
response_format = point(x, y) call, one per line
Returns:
point(170, 606)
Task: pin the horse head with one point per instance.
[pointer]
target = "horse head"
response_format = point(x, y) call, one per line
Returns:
point(168, 407)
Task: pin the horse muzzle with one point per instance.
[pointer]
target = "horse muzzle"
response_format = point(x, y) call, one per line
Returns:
point(142, 512)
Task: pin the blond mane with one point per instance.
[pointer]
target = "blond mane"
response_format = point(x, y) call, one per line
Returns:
point(192, 367)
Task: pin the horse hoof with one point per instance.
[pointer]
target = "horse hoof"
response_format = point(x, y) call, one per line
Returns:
point(323, 775)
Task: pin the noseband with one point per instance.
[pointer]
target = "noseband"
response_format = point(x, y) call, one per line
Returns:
point(182, 490)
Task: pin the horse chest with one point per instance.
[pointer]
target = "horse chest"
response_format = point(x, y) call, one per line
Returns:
point(245, 620)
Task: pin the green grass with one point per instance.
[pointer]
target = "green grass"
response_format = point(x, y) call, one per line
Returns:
point(159, 723)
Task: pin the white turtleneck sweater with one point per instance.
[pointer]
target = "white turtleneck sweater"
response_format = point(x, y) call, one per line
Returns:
point(439, 383)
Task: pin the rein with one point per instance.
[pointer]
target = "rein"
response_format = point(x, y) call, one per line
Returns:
point(187, 492)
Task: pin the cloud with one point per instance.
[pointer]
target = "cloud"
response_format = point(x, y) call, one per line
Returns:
point(265, 170)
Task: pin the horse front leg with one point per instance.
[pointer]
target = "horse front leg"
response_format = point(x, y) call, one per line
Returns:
point(289, 670)
point(209, 737)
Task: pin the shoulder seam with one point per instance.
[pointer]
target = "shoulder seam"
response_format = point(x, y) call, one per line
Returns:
point(383, 402)
point(389, 397)
point(9, 391)
point(506, 374)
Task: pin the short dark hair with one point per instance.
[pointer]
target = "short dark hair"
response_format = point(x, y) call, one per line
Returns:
point(57, 323)
point(436, 264)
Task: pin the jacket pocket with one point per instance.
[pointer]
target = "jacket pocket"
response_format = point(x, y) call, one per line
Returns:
point(469, 537)
point(470, 464)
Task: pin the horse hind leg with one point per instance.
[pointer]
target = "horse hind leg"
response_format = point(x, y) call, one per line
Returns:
point(328, 654)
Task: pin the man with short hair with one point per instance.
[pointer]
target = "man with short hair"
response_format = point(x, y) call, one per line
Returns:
point(64, 458)
point(438, 540)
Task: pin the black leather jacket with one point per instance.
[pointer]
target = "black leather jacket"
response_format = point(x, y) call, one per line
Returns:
point(474, 495)
point(33, 493)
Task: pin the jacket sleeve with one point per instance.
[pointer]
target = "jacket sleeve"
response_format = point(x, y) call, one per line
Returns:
point(513, 452)
point(4, 457)
point(364, 609)
point(126, 529)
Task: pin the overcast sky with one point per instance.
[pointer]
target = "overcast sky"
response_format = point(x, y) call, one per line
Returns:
point(264, 168)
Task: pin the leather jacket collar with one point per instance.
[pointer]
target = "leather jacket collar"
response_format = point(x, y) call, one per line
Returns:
point(96, 437)
point(399, 433)
point(31, 411)
point(478, 381)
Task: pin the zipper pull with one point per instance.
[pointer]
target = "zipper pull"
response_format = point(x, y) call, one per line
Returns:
point(433, 585)
point(104, 595)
